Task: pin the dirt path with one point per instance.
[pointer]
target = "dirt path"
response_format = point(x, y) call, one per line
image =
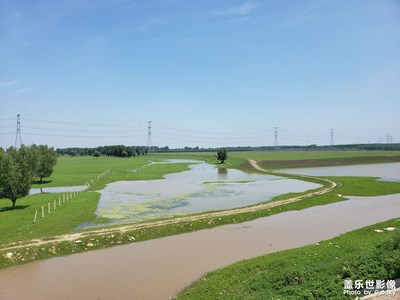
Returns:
point(130, 227)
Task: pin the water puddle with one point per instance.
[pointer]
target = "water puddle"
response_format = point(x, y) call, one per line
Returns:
point(55, 190)
point(202, 188)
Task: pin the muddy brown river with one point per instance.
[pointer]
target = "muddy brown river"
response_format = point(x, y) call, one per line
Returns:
point(159, 269)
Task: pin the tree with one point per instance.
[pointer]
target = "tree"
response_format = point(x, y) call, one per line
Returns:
point(47, 160)
point(124, 153)
point(137, 150)
point(16, 173)
point(96, 154)
point(222, 155)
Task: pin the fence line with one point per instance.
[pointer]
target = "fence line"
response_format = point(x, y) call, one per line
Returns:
point(66, 196)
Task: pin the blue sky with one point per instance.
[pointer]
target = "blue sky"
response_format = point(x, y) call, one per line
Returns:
point(207, 73)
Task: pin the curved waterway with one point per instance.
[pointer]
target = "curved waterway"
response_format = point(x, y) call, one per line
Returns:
point(202, 188)
point(159, 269)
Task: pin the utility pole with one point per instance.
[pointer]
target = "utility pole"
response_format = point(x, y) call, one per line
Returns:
point(332, 141)
point(18, 138)
point(276, 138)
point(149, 139)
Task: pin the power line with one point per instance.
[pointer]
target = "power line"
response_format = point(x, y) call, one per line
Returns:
point(80, 124)
point(77, 130)
point(210, 132)
point(82, 136)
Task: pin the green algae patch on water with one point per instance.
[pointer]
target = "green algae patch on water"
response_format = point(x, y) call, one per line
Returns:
point(141, 211)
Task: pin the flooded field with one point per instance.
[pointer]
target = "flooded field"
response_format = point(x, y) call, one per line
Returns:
point(202, 188)
point(158, 269)
point(61, 189)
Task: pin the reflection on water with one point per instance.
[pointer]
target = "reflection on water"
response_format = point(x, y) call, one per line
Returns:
point(62, 189)
point(202, 188)
point(222, 173)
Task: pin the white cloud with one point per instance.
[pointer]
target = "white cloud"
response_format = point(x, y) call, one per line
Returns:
point(9, 83)
point(150, 24)
point(24, 90)
point(241, 10)
point(303, 15)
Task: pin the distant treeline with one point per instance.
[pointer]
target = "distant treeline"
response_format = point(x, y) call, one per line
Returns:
point(115, 150)
point(129, 151)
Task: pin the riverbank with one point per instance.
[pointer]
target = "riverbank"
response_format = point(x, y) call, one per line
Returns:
point(317, 271)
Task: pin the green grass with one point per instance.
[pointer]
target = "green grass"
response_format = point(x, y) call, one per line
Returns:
point(302, 155)
point(18, 225)
point(71, 171)
point(366, 186)
point(313, 272)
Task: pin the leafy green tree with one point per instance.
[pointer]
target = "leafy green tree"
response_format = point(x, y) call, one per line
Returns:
point(47, 160)
point(16, 173)
point(96, 154)
point(222, 155)
point(138, 150)
point(124, 153)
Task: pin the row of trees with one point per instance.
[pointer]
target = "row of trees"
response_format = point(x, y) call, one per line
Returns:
point(128, 151)
point(18, 168)
point(116, 150)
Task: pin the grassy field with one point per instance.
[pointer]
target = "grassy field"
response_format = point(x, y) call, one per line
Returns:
point(17, 225)
point(313, 272)
point(286, 159)
point(71, 171)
